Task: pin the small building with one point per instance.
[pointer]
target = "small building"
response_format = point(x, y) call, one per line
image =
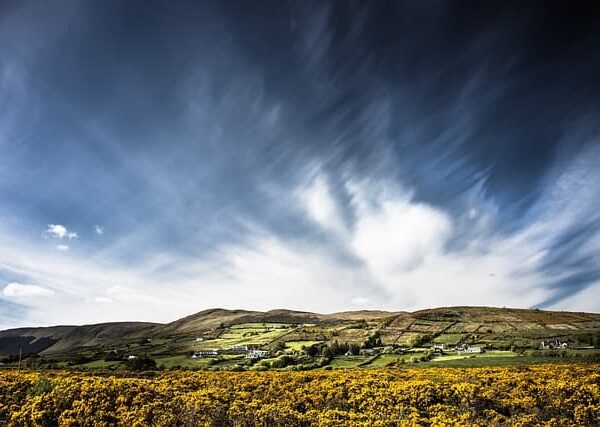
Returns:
point(199, 339)
point(132, 357)
point(348, 353)
point(367, 352)
point(205, 353)
point(257, 354)
point(553, 344)
point(438, 348)
point(473, 349)
point(240, 348)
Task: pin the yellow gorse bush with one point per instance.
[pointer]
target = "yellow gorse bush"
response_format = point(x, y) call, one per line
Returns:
point(522, 396)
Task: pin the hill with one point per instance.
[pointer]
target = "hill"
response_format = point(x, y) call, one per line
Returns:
point(64, 339)
point(486, 324)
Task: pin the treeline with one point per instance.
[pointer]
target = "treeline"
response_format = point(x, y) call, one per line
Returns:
point(336, 348)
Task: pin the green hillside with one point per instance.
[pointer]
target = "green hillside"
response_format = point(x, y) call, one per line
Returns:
point(302, 340)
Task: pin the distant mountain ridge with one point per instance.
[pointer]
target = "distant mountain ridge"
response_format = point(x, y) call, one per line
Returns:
point(64, 339)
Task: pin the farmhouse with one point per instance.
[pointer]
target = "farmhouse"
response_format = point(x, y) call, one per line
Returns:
point(257, 354)
point(199, 339)
point(438, 349)
point(241, 348)
point(132, 357)
point(552, 344)
point(205, 353)
point(469, 348)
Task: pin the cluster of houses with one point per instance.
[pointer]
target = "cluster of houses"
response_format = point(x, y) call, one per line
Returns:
point(438, 349)
point(251, 353)
point(256, 353)
point(200, 354)
point(553, 344)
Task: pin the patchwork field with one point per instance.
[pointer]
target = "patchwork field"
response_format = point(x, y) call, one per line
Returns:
point(288, 340)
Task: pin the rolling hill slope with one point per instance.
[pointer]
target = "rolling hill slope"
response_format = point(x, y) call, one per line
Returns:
point(393, 327)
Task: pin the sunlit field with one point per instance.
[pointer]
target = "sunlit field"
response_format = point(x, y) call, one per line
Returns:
point(527, 395)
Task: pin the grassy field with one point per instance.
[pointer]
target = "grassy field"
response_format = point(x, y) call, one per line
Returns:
point(344, 362)
point(247, 334)
point(183, 361)
point(448, 339)
point(101, 364)
point(384, 359)
point(474, 362)
point(297, 345)
point(261, 326)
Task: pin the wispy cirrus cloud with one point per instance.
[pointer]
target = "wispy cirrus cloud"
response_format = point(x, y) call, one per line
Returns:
point(312, 157)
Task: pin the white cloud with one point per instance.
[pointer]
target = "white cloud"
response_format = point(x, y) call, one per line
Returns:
point(360, 301)
point(99, 229)
point(15, 289)
point(398, 235)
point(403, 245)
point(99, 300)
point(62, 248)
point(321, 206)
point(58, 231)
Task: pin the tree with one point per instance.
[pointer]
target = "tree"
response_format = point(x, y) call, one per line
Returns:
point(143, 363)
point(374, 340)
point(312, 350)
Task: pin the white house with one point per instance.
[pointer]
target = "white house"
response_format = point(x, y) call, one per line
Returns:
point(473, 349)
point(552, 344)
point(132, 357)
point(199, 339)
point(205, 353)
point(257, 354)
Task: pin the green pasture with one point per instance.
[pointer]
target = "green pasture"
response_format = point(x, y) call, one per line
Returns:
point(297, 345)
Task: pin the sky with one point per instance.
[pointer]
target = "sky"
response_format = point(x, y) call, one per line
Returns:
point(161, 158)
